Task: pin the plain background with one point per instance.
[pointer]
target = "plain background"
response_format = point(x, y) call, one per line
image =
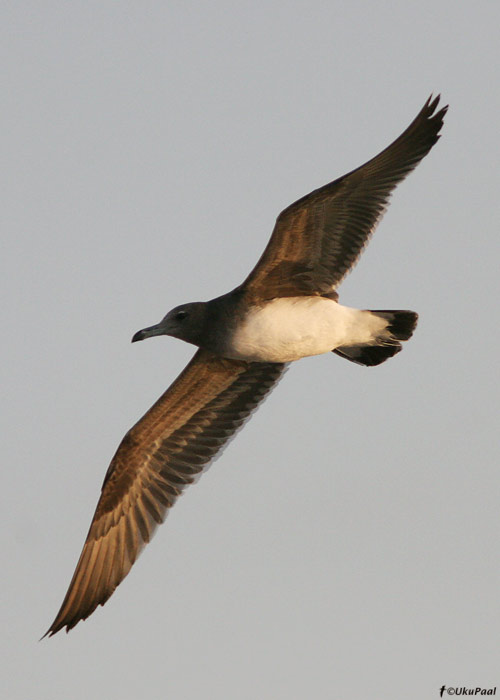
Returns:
point(345, 546)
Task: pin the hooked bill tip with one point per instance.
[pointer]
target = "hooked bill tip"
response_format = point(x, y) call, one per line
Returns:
point(140, 335)
point(148, 332)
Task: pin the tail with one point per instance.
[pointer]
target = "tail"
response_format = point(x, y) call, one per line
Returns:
point(400, 326)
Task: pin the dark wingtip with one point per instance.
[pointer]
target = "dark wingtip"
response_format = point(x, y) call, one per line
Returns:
point(60, 624)
point(428, 121)
point(50, 632)
point(53, 629)
point(429, 109)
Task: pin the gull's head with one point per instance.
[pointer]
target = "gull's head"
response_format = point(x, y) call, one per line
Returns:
point(185, 322)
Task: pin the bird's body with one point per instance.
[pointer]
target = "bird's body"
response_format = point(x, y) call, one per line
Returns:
point(289, 328)
point(286, 309)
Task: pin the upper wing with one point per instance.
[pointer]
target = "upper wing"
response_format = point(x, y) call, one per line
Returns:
point(319, 238)
point(156, 460)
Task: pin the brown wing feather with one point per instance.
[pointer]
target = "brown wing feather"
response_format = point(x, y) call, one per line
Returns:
point(163, 453)
point(319, 238)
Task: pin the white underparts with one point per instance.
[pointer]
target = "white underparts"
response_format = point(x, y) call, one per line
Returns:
point(289, 328)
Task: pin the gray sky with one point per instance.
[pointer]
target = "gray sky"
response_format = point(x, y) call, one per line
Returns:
point(346, 543)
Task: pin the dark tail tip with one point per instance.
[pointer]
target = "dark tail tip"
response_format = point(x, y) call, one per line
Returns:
point(400, 326)
point(401, 323)
point(368, 355)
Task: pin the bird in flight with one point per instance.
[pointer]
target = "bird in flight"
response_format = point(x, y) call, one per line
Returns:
point(286, 309)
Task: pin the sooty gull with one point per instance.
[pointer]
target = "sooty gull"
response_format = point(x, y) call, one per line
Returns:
point(286, 309)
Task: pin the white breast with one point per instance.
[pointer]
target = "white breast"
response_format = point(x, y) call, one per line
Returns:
point(289, 328)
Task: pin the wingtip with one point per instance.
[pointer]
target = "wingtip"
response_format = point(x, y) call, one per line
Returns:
point(61, 622)
point(50, 632)
point(431, 105)
point(431, 117)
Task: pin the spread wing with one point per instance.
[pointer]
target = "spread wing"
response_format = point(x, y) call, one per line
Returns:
point(161, 455)
point(319, 238)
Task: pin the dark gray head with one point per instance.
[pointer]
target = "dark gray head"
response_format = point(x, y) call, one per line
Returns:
point(185, 322)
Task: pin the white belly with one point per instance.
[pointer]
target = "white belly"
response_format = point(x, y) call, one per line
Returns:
point(289, 328)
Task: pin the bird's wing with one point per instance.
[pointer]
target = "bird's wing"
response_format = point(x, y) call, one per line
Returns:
point(161, 455)
point(319, 238)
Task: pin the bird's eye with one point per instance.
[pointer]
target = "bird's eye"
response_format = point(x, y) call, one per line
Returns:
point(181, 315)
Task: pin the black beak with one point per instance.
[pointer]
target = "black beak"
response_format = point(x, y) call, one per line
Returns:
point(148, 332)
point(140, 335)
